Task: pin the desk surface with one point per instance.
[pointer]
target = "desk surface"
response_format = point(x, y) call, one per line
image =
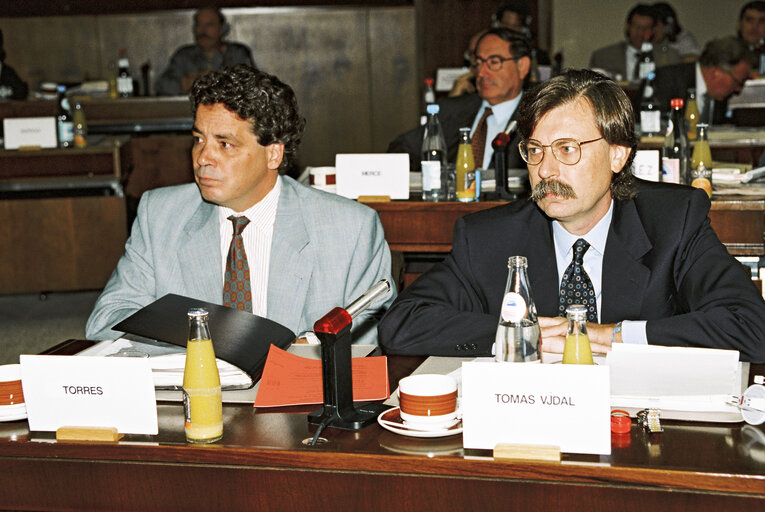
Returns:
point(261, 462)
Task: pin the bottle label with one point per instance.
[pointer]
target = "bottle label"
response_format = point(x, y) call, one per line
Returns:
point(125, 85)
point(65, 132)
point(513, 307)
point(650, 121)
point(431, 175)
point(186, 408)
point(670, 170)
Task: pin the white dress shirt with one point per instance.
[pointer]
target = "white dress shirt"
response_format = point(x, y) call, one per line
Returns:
point(495, 123)
point(632, 331)
point(257, 238)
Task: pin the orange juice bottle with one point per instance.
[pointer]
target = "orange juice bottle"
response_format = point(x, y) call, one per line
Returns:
point(466, 180)
point(202, 398)
point(701, 162)
point(577, 348)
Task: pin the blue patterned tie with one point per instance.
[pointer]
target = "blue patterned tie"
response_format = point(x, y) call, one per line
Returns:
point(236, 283)
point(576, 287)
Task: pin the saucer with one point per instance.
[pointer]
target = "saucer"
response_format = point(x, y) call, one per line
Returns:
point(13, 412)
point(391, 420)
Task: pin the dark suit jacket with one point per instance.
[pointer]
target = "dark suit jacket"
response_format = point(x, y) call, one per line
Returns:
point(9, 78)
point(455, 113)
point(613, 58)
point(663, 263)
point(674, 82)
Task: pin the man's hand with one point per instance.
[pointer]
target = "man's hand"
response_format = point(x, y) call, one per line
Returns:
point(553, 332)
point(187, 81)
point(463, 85)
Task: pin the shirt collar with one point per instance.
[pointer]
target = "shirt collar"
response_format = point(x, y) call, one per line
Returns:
point(701, 85)
point(262, 214)
point(596, 237)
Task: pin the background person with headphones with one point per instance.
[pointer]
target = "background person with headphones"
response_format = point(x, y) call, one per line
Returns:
point(209, 53)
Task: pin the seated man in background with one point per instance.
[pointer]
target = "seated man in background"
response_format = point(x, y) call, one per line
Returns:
point(720, 72)
point(513, 14)
point(751, 24)
point(209, 53)
point(621, 59)
point(501, 63)
point(653, 265)
point(12, 87)
point(303, 252)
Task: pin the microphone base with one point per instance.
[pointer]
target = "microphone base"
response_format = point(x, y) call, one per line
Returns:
point(362, 415)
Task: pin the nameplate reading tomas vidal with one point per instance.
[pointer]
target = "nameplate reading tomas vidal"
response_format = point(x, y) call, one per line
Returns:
point(536, 404)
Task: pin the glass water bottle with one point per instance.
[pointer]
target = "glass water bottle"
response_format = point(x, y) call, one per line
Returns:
point(577, 348)
point(202, 399)
point(517, 338)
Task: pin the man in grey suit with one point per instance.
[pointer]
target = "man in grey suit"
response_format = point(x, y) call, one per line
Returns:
point(305, 251)
point(621, 59)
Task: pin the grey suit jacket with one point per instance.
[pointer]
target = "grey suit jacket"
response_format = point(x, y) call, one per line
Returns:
point(326, 251)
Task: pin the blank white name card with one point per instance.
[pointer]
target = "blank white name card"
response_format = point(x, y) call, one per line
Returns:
point(30, 132)
point(106, 392)
point(538, 405)
point(372, 174)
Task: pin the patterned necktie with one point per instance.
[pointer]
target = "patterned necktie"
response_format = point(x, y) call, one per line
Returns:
point(236, 283)
point(576, 287)
point(479, 139)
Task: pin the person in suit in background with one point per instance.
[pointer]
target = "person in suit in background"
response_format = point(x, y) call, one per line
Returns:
point(208, 53)
point(657, 272)
point(12, 87)
point(667, 32)
point(620, 59)
point(305, 251)
point(720, 72)
point(501, 63)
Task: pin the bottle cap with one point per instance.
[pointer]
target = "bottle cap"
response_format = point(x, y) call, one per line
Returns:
point(676, 103)
point(433, 108)
point(429, 81)
point(197, 312)
point(620, 421)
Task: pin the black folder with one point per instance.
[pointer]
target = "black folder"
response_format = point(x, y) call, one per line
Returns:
point(238, 337)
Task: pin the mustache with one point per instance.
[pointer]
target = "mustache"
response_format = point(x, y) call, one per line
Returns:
point(554, 187)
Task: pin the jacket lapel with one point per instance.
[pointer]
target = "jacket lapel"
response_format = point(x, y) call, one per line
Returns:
point(198, 252)
point(291, 265)
point(543, 269)
point(624, 276)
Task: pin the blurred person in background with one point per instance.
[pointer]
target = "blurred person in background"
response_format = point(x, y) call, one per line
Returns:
point(620, 59)
point(751, 24)
point(668, 32)
point(12, 87)
point(209, 53)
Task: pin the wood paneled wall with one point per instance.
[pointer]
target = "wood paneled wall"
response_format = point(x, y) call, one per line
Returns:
point(354, 69)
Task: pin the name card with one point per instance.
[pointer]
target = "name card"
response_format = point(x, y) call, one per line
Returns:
point(30, 131)
point(62, 391)
point(384, 174)
point(536, 404)
point(647, 164)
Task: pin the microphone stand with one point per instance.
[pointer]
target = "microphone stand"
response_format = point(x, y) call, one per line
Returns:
point(334, 333)
point(500, 145)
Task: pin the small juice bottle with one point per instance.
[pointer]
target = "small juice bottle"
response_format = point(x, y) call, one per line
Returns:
point(466, 178)
point(202, 398)
point(577, 348)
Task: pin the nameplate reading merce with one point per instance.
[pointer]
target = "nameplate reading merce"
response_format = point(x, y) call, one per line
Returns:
point(538, 405)
point(105, 392)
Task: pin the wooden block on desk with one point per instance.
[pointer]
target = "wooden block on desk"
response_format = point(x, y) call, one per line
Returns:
point(374, 199)
point(109, 434)
point(527, 452)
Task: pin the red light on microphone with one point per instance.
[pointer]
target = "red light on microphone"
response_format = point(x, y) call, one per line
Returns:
point(333, 322)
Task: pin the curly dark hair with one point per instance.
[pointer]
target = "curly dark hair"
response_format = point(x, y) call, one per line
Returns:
point(262, 99)
point(611, 106)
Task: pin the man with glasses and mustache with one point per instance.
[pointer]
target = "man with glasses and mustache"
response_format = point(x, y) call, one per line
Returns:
point(721, 71)
point(652, 265)
point(501, 63)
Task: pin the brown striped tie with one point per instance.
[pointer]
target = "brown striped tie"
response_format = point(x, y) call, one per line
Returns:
point(479, 139)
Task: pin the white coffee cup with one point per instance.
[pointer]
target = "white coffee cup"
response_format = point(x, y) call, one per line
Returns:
point(428, 401)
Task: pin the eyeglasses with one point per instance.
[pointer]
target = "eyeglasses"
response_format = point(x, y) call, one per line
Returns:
point(739, 83)
point(566, 151)
point(494, 62)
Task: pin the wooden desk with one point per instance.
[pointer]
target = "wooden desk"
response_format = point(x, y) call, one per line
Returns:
point(66, 222)
point(262, 464)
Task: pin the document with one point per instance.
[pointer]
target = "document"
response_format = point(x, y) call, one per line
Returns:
point(293, 380)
